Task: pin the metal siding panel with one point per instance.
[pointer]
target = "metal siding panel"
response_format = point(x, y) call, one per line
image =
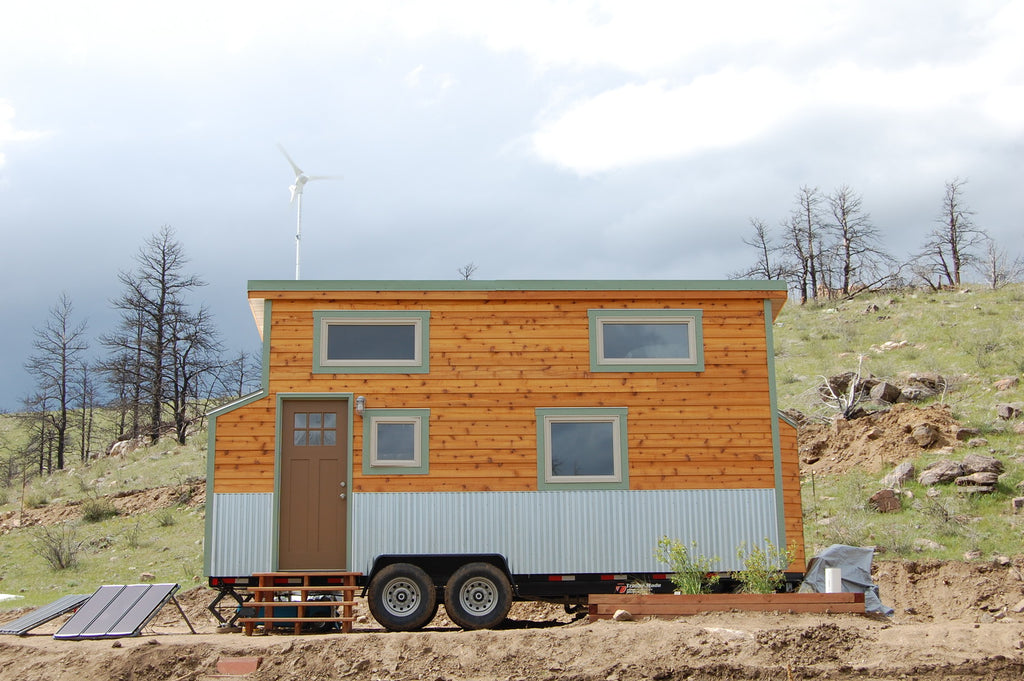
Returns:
point(242, 539)
point(563, 532)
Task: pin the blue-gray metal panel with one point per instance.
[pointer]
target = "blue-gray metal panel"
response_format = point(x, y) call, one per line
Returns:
point(241, 540)
point(117, 610)
point(563, 532)
point(44, 614)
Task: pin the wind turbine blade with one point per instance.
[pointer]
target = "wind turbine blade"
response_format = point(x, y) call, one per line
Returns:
point(324, 177)
point(298, 171)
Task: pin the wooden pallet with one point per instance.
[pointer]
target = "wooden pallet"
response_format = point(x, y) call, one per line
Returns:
point(272, 585)
point(603, 606)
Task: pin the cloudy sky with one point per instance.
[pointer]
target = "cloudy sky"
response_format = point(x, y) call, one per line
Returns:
point(535, 139)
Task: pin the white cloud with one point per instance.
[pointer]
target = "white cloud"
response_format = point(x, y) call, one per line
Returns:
point(9, 133)
point(654, 121)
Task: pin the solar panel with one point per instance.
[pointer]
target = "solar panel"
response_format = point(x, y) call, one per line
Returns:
point(117, 610)
point(43, 614)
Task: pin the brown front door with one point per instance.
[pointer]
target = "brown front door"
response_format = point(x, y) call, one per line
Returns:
point(314, 491)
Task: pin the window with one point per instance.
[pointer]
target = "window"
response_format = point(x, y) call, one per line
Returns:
point(582, 447)
point(371, 342)
point(395, 441)
point(315, 429)
point(646, 340)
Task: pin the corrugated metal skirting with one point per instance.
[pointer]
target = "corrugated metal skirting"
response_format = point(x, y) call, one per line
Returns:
point(562, 532)
point(242, 541)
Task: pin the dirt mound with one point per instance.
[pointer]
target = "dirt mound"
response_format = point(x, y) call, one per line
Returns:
point(875, 441)
point(191, 494)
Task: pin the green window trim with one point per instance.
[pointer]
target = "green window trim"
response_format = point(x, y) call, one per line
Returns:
point(616, 416)
point(420, 462)
point(691, 360)
point(418, 319)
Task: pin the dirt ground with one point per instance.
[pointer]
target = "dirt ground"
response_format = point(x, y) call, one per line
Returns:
point(952, 620)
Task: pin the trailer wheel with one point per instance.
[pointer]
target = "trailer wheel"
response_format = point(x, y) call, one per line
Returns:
point(401, 597)
point(478, 596)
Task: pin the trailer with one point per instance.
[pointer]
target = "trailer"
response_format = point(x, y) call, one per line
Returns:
point(471, 443)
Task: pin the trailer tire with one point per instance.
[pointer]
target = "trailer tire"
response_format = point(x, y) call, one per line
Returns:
point(478, 596)
point(401, 597)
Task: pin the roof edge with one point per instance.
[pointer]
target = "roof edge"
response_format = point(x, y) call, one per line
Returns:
point(518, 285)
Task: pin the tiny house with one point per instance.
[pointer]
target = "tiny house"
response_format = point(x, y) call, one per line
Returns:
point(476, 442)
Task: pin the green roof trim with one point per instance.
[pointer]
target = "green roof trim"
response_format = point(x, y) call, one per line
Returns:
point(519, 285)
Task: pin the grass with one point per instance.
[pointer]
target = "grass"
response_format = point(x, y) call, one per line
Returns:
point(114, 549)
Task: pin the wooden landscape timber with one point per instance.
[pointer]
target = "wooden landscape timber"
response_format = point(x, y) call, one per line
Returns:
point(604, 606)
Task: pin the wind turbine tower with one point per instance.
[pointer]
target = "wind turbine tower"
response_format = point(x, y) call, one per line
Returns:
point(301, 179)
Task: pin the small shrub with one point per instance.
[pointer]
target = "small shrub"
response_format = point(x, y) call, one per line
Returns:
point(35, 499)
point(98, 510)
point(58, 545)
point(134, 535)
point(691, 572)
point(763, 569)
point(165, 518)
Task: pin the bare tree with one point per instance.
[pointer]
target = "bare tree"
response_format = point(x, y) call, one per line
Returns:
point(152, 308)
point(241, 375)
point(804, 235)
point(467, 270)
point(996, 266)
point(770, 263)
point(55, 365)
point(950, 246)
point(860, 259)
point(193, 357)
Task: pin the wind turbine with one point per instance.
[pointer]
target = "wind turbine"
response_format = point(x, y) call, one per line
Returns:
point(301, 179)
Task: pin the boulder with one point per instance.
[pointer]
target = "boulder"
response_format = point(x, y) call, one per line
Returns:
point(984, 479)
point(885, 501)
point(925, 435)
point(976, 442)
point(622, 616)
point(964, 434)
point(1006, 383)
point(979, 463)
point(915, 394)
point(899, 475)
point(924, 544)
point(940, 472)
point(885, 392)
point(1018, 428)
point(1017, 505)
point(1009, 411)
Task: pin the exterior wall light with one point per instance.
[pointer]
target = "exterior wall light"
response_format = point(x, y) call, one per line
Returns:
point(360, 405)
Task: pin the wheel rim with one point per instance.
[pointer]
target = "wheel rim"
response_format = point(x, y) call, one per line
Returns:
point(401, 597)
point(478, 596)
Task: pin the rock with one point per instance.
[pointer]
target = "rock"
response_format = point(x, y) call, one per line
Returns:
point(871, 308)
point(1018, 428)
point(147, 577)
point(925, 435)
point(899, 475)
point(1009, 411)
point(972, 555)
point(885, 392)
point(924, 544)
point(1017, 505)
point(979, 463)
point(977, 442)
point(965, 434)
point(1019, 607)
point(982, 478)
point(1006, 383)
point(940, 472)
point(976, 489)
point(885, 501)
point(1001, 561)
point(622, 616)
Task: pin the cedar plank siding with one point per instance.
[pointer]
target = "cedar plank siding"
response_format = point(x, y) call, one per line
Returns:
point(496, 356)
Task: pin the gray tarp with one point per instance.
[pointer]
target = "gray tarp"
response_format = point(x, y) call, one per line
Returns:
point(855, 563)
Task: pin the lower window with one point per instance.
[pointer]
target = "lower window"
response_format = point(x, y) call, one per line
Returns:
point(395, 441)
point(582, 448)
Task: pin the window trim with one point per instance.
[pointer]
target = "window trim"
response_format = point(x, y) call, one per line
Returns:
point(418, 319)
point(420, 418)
point(694, 320)
point(546, 480)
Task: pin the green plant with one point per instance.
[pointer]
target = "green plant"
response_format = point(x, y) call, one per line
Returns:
point(165, 517)
point(763, 568)
point(97, 510)
point(58, 545)
point(692, 573)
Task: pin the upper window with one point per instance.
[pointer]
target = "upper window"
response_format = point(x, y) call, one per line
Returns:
point(582, 447)
point(646, 340)
point(371, 342)
point(395, 441)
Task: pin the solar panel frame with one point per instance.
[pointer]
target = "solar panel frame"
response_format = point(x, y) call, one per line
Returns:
point(43, 614)
point(117, 611)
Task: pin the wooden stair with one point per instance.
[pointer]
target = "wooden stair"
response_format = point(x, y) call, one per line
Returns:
point(271, 586)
